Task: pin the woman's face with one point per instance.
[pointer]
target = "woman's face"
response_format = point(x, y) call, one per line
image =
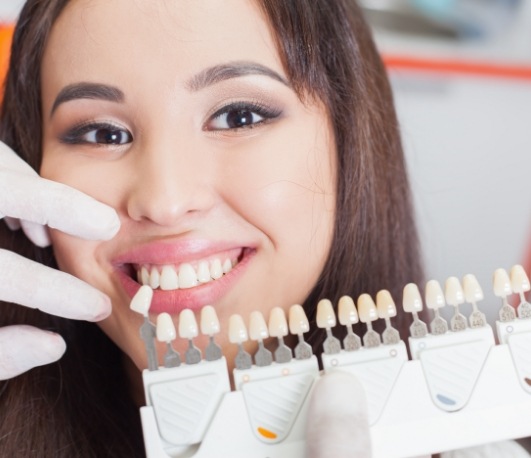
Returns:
point(179, 115)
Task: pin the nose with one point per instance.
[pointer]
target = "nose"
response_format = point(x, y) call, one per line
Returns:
point(169, 186)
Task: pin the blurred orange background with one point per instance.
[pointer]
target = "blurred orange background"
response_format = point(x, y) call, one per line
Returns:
point(6, 32)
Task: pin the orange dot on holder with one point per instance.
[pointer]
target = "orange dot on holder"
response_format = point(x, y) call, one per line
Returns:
point(266, 433)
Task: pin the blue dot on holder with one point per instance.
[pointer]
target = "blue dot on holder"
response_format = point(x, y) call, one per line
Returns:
point(445, 400)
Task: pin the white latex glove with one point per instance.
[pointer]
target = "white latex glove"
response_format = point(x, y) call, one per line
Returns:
point(338, 423)
point(31, 202)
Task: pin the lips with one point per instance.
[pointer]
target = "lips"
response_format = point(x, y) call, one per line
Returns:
point(189, 274)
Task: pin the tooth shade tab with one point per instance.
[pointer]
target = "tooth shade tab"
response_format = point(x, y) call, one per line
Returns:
point(346, 311)
point(209, 321)
point(519, 279)
point(278, 325)
point(298, 322)
point(367, 309)
point(434, 295)
point(502, 283)
point(412, 300)
point(385, 305)
point(326, 318)
point(453, 292)
point(142, 300)
point(472, 289)
point(237, 330)
point(187, 325)
point(165, 328)
point(257, 327)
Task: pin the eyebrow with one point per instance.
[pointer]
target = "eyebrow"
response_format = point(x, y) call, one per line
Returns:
point(83, 90)
point(218, 73)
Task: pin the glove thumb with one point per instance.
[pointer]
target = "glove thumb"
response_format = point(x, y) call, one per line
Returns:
point(338, 419)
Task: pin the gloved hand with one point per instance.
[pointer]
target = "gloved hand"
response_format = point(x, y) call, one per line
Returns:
point(31, 202)
point(338, 424)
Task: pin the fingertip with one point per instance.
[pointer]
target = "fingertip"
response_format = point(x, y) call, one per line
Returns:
point(37, 233)
point(102, 309)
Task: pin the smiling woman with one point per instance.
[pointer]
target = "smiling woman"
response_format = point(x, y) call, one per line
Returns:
point(251, 152)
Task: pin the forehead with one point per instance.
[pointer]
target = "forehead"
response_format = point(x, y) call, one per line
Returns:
point(106, 40)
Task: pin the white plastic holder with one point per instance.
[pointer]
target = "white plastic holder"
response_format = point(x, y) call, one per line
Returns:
point(517, 335)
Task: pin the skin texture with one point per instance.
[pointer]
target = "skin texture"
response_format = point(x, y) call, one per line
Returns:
point(182, 182)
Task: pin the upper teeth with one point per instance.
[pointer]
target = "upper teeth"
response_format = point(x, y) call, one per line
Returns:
point(169, 277)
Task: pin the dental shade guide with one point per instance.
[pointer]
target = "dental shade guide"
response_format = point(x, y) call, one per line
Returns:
point(140, 304)
point(459, 389)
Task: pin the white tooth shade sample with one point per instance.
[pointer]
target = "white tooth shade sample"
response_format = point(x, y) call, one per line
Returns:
point(187, 325)
point(278, 326)
point(434, 295)
point(453, 292)
point(502, 283)
point(519, 279)
point(142, 300)
point(165, 328)
point(412, 300)
point(472, 289)
point(385, 305)
point(298, 322)
point(346, 311)
point(257, 326)
point(367, 309)
point(237, 329)
point(326, 318)
point(209, 321)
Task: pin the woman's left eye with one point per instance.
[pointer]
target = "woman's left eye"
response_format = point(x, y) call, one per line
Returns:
point(240, 116)
point(98, 134)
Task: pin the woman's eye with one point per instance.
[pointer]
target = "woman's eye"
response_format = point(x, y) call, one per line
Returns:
point(240, 116)
point(100, 134)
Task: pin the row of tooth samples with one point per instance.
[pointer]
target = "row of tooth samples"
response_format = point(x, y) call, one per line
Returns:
point(517, 282)
point(170, 277)
point(277, 328)
point(455, 294)
point(165, 332)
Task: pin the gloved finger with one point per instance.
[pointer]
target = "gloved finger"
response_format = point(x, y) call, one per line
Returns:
point(12, 223)
point(31, 284)
point(37, 233)
point(338, 423)
point(54, 204)
point(24, 347)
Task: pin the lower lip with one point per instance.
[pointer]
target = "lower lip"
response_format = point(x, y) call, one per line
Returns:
point(195, 298)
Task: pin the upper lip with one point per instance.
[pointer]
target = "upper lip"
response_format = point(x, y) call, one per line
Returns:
point(173, 252)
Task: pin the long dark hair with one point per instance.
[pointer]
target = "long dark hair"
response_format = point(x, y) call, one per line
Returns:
point(78, 407)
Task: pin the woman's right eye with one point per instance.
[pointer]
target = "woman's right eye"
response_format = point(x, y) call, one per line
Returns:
point(98, 134)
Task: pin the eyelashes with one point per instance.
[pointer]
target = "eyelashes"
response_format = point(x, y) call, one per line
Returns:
point(97, 133)
point(235, 118)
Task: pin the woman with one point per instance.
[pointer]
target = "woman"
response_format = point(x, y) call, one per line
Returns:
point(262, 133)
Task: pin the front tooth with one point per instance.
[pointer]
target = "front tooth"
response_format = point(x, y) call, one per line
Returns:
point(187, 276)
point(144, 275)
point(203, 272)
point(227, 266)
point(434, 295)
point(168, 278)
point(367, 309)
point(154, 278)
point(216, 270)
